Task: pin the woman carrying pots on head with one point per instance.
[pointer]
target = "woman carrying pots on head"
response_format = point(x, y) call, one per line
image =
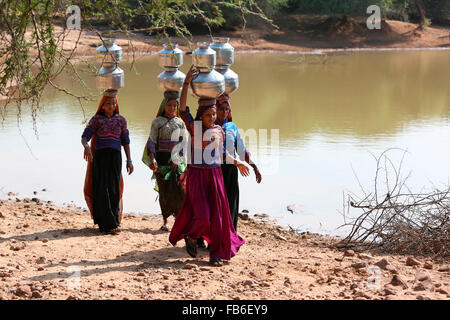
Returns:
point(166, 131)
point(205, 212)
point(233, 144)
point(103, 186)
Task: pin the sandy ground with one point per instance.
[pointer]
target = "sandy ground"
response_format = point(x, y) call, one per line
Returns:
point(42, 247)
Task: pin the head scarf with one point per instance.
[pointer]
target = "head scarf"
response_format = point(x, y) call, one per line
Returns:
point(162, 107)
point(225, 98)
point(88, 178)
point(203, 105)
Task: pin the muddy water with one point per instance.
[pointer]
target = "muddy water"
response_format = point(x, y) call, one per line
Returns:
point(313, 124)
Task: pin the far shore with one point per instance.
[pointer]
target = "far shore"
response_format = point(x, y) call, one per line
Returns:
point(395, 35)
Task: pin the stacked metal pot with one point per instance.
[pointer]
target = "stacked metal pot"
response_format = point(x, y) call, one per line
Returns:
point(209, 83)
point(171, 58)
point(213, 62)
point(110, 76)
point(224, 59)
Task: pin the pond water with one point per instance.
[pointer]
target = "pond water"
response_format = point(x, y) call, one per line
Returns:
point(323, 117)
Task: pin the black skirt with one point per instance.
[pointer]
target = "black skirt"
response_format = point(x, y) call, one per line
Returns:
point(230, 179)
point(106, 173)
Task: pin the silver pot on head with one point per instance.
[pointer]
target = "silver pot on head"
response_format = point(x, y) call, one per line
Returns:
point(170, 56)
point(171, 79)
point(208, 85)
point(224, 52)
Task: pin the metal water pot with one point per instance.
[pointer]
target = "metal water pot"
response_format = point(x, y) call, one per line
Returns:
point(231, 80)
point(110, 78)
point(111, 54)
point(224, 52)
point(208, 85)
point(170, 56)
point(171, 80)
point(204, 58)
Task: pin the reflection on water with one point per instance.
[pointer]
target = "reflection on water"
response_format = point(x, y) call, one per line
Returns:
point(330, 118)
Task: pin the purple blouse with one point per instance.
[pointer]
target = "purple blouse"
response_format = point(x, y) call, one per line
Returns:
point(109, 132)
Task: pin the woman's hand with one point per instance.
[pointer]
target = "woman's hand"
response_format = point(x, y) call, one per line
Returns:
point(192, 74)
point(243, 169)
point(130, 167)
point(153, 165)
point(257, 174)
point(88, 153)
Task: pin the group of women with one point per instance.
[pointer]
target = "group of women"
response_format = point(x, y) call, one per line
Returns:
point(202, 193)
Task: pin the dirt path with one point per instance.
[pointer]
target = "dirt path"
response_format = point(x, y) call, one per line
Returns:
point(43, 246)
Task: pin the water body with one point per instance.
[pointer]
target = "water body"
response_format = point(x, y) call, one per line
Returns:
point(329, 113)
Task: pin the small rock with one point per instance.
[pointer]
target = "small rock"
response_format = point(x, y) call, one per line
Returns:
point(19, 246)
point(398, 281)
point(190, 266)
point(442, 291)
point(365, 256)
point(420, 287)
point(243, 216)
point(72, 298)
point(248, 283)
point(141, 274)
point(36, 295)
point(423, 276)
point(421, 297)
point(245, 211)
point(277, 236)
point(349, 253)
point(263, 235)
point(391, 269)
point(23, 291)
point(359, 265)
point(382, 264)
point(389, 291)
point(205, 269)
point(412, 262)
point(40, 260)
point(45, 240)
point(444, 269)
point(293, 208)
point(428, 265)
point(40, 269)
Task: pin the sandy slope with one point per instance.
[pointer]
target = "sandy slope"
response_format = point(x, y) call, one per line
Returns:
point(39, 242)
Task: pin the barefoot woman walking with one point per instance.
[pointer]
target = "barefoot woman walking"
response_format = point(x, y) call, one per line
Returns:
point(103, 185)
point(205, 212)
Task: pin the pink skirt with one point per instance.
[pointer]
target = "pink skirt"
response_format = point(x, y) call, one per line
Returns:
point(205, 213)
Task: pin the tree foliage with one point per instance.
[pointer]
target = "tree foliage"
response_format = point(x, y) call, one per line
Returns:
point(31, 54)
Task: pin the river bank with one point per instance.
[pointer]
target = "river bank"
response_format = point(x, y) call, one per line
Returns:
point(298, 33)
point(42, 247)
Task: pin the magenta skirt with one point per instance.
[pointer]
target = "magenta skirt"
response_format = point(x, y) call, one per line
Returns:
point(205, 213)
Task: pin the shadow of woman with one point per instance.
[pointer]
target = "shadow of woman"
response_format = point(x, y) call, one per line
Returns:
point(155, 259)
point(55, 234)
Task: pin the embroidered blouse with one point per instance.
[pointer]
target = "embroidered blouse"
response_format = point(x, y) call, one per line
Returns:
point(160, 139)
point(109, 132)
